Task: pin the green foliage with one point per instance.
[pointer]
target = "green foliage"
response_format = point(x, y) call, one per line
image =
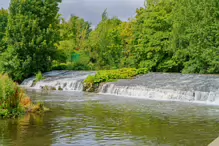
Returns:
point(39, 77)
point(93, 82)
point(10, 98)
point(14, 101)
point(104, 44)
point(3, 25)
point(196, 36)
point(82, 64)
point(164, 36)
point(59, 66)
point(142, 71)
point(70, 66)
point(153, 28)
point(3, 22)
point(31, 35)
point(74, 34)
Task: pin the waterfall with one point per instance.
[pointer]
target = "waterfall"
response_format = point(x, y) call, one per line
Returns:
point(176, 87)
point(59, 80)
point(28, 82)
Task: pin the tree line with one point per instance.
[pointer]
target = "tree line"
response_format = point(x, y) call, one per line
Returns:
point(164, 36)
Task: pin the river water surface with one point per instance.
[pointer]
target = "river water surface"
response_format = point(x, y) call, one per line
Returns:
point(83, 119)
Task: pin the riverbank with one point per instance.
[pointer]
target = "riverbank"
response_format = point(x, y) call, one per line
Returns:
point(14, 101)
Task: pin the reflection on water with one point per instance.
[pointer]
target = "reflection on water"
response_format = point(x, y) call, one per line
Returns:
point(89, 119)
point(28, 130)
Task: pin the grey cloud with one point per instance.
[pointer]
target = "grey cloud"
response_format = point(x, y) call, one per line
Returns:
point(4, 3)
point(91, 10)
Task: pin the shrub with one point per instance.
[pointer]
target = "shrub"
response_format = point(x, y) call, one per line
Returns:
point(13, 100)
point(10, 97)
point(93, 82)
point(39, 77)
point(89, 84)
point(142, 71)
point(61, 66)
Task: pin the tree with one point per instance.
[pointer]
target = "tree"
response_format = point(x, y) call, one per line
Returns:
point(104, 42)
point(74, 35)
point(196, 35)
point(127, 42)
point(31, 35)
point(105, 15)
point(152, 32)
point(3, 25)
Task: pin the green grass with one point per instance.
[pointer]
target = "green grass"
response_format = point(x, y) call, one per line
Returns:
point(92, 82)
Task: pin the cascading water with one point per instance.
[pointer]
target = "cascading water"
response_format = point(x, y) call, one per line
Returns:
point(60, 80)
point(158, 86)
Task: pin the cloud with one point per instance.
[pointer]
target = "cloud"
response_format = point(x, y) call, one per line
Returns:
point(4, 3)
point(91, 10)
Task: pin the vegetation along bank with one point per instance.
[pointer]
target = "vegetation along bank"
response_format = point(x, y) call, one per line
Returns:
point(13, 100)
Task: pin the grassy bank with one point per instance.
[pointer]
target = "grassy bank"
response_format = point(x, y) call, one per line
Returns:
point(92, 83)
point(14, 101)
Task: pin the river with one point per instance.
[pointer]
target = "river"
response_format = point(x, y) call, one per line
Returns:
point(84, 119)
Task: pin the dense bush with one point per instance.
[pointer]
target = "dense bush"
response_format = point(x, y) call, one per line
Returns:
point(93, 82)
point(39, 77)
point(13, 100)
point(142, 71)
point(31, 41)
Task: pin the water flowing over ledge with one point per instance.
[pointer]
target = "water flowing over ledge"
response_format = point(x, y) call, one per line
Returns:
point(155, 86)
point(59, 80)
point(160, 86)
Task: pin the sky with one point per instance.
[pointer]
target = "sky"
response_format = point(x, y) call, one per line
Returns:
point(91, 10)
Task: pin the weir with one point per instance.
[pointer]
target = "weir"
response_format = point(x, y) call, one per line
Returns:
point(155, 86)
point(59, 80)
point(163, 86)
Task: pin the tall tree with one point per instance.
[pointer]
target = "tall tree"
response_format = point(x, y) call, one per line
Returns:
point(152, 32)
point(31, 35)
point(196, 35)
point(3, 25)
point(103, 49)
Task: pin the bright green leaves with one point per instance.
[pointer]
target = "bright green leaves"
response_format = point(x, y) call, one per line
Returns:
point(31, 35)
point(74, 35)
point(151, 45)
point(177, 36)
point(92, 83)
point(105, 44)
